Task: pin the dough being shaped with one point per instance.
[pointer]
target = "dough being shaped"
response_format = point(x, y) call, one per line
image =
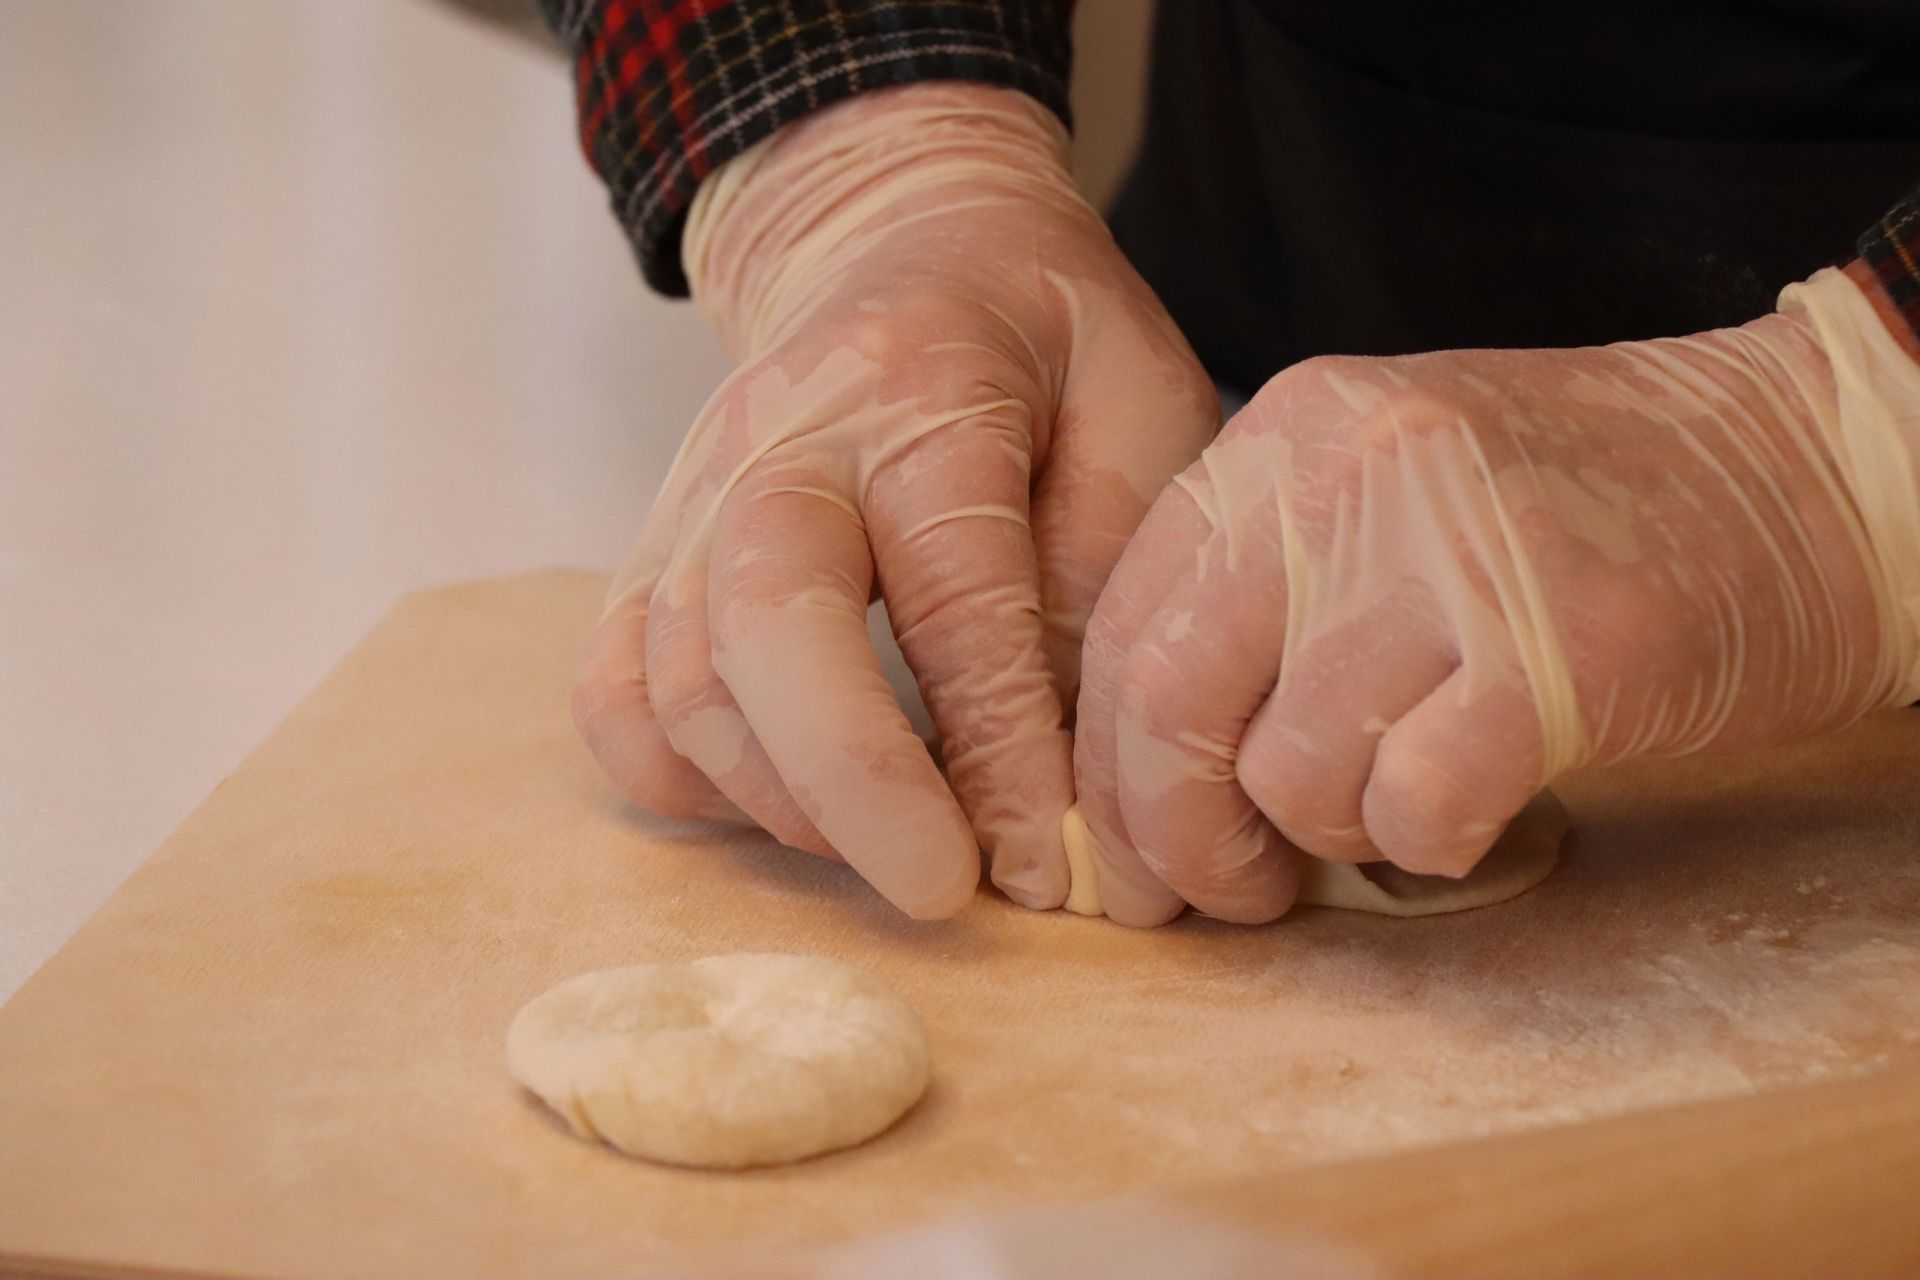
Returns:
point(725, 1062)
point(1524, 855)
point(1521, 858)
point(1083, 878)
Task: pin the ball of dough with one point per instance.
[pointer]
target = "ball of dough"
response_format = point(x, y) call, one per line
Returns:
point(725, 1062)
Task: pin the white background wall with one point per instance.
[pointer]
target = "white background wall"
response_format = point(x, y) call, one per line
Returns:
point(303, 304)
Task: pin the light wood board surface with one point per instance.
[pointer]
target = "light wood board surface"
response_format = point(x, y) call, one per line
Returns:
point(1817, 1181)
point(276, 1052)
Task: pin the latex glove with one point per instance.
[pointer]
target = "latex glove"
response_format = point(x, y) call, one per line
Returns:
point(1397, 596)
point(950, 385)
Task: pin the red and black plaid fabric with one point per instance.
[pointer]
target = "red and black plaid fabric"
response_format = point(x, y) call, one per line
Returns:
point(1892, 248)
point(669, 90)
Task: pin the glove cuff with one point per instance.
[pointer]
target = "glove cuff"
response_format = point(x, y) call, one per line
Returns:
point(1872, 430)
point(787, 218)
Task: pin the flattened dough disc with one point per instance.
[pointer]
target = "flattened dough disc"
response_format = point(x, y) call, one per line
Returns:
point(1523, 856)
point(723, 1063)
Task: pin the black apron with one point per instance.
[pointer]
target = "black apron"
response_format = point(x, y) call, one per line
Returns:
point(1647, 174)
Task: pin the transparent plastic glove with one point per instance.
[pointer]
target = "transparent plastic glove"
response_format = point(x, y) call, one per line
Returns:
point(951, 388)
point(1397, 596)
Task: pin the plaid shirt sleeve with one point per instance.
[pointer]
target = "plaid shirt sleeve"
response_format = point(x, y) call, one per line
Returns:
point(669, 90)
point(1891, 247)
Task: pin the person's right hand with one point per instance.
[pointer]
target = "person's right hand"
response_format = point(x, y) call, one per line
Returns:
point(951, 384)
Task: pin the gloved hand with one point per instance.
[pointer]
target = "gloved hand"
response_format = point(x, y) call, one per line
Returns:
point(1397, 596)
point(950, 384)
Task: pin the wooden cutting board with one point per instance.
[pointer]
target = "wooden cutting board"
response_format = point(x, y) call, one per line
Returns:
point(276, 1051)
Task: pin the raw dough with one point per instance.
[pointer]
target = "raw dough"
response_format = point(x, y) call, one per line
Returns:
point(1520, 859)
point(725, 1062)
point(1083, 878)
point(1524, 855)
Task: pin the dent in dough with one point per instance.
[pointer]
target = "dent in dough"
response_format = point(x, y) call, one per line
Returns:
point(1521, 858)
point(725, 1062)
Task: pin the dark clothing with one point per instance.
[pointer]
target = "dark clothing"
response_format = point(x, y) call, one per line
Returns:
point(1499, 182)
point(1891, 247)
point(1320, 177)
point(1734, 70)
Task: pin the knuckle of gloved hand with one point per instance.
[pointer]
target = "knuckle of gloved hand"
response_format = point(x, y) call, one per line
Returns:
point(679, 683)
point(1421, 815)
point(1342, 409)
point(600, 697)
point(1311, 389)
point(944, 351)
point(896, 328)
point(1291, 785)
point(600, 690)
point(750, 590)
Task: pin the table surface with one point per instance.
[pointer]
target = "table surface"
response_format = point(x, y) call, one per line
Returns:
point(277, 1050)
point(302, 305)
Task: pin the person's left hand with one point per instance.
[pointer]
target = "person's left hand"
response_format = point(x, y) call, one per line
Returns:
point(1397, 597)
